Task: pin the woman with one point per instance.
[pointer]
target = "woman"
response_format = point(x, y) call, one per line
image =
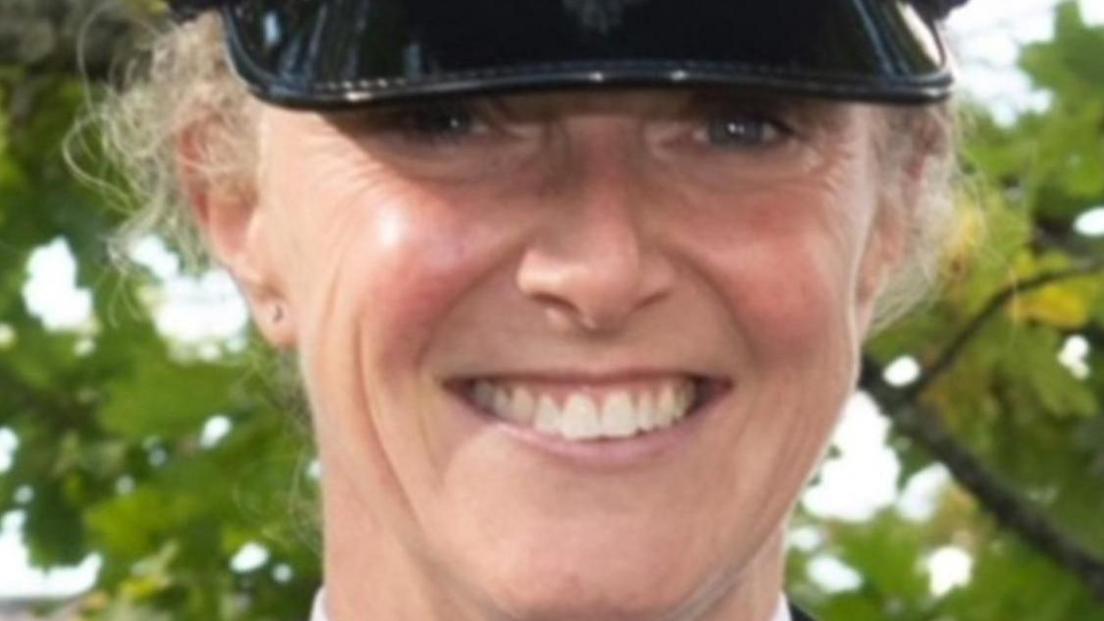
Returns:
point(577, 289)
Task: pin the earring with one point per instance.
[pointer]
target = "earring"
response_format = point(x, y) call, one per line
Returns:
point(277, 313)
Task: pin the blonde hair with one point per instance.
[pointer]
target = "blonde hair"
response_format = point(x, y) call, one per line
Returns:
point(184, 83)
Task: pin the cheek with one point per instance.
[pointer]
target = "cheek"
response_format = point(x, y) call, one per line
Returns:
point(786, 268)
point(358, 242)
point(790, 306)
point(384, 264)
point(411, 260)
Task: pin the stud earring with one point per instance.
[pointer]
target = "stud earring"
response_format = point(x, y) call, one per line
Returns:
point(277, 313)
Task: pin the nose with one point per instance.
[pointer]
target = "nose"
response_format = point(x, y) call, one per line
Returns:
point(593, 263)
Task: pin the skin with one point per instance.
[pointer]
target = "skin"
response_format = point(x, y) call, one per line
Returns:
point(584, 237)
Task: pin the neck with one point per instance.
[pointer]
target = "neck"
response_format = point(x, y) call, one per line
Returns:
point(371, 575)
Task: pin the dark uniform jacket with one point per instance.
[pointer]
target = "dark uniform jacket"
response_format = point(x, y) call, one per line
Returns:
point(798, 615)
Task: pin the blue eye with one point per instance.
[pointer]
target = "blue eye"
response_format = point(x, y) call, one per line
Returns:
point(743, 131)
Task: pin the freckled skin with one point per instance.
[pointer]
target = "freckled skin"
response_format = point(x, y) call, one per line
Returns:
point(591, 235)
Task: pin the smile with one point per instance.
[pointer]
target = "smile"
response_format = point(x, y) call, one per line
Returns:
point(591, 411)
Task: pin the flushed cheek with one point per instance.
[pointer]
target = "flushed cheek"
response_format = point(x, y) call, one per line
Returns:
point(783, 263)
point(414, 265)
point(788, 301)
point(392, 270)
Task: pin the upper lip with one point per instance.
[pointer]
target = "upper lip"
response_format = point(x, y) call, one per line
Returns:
point(568, 376)
point(584, 377)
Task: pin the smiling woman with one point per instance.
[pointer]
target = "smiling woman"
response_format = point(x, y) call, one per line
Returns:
point(577, 290)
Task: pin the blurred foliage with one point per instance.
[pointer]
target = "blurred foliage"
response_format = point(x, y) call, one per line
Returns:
point(109, 416)
point(991, 375)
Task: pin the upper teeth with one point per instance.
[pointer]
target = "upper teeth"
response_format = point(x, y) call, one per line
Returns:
point(588, 415)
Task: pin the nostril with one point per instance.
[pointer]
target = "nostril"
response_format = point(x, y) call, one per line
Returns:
point(567, 317)
point(595, 291)
point(598, 256)
point(601, 310)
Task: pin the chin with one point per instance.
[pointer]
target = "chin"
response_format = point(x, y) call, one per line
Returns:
point(580, 596)
point(600, 581)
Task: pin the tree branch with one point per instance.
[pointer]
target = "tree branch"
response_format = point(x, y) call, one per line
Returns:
point(997, 496)
point(947, 358)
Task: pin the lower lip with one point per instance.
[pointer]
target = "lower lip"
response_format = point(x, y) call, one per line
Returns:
point(605, 454)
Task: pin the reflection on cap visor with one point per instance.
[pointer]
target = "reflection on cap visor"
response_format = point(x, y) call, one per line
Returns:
point(335, 53)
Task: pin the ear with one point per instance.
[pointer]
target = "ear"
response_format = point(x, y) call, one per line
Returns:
point(226, 212)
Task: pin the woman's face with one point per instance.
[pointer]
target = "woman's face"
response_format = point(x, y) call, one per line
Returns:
point(568, 354)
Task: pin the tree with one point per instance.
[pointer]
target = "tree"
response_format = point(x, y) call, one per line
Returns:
point(1018, 430)
point(110, 415)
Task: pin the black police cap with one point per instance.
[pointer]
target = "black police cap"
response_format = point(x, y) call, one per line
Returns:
point(340, 53)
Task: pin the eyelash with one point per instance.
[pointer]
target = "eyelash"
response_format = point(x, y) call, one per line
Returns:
point(451, 124)
point(767, 131)
point(436, 124)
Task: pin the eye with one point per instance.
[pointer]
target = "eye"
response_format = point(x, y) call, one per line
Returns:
point(437, 123)
point(739, 131)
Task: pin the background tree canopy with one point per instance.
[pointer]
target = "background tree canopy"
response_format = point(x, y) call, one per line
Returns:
point(166, 456)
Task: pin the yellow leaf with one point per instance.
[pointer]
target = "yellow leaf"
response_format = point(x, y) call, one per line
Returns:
point(1061, 307)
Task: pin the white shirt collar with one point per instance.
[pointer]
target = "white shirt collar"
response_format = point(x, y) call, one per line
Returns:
point(319, 612)
point(783, 612)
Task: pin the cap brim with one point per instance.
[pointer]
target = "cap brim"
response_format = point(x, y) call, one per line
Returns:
point(339, 53)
